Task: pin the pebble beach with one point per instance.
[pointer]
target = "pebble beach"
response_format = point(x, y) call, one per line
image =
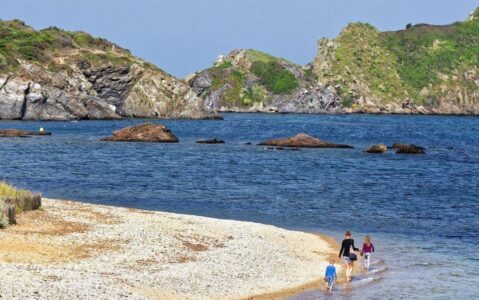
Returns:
point(76, 250)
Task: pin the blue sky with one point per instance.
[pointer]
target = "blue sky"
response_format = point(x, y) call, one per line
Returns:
point(183, 36)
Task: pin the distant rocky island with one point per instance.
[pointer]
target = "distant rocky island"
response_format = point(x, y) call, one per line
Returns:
point(53, 74)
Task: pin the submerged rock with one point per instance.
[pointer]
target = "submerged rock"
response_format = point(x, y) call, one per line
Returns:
point(213, 117)
point(282, 148)
point(379, 148)
point(212, 141)
point(408, 149)
point(302, 141)
point(146, 132)
point(21, 133)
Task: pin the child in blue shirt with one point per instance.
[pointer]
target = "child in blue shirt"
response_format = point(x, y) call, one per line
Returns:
point(330, 275)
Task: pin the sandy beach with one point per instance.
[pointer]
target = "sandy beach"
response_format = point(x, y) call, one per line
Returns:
point(76, 250)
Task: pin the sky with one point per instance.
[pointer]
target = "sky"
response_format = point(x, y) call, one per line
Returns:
point(184, 36)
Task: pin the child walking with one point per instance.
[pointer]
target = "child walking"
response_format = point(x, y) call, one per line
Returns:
point(368, 249)
point(330, 275)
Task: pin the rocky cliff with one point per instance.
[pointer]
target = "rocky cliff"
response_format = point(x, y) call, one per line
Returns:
point(252, 81)
point(54, 74)
point(423, 69)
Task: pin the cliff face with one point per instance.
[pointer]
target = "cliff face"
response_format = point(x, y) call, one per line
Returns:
point(58, 75)
point(252, 81)
point(422, 69)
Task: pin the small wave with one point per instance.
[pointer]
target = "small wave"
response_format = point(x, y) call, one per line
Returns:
point(362, 281)
point(378, 262)
point(379, 270)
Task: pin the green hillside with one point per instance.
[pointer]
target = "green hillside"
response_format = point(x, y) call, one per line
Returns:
point(53, 47)
point(434, 66)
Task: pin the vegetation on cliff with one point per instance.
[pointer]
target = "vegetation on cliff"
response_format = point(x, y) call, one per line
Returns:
point(274, 76)
point(361, 57)
point(423, 65)
point(424, 52)
point(421, 69)
point(48, 46)
point(247, 78)
point(83, 77)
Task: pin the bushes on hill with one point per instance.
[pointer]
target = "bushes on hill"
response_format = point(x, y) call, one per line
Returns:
point(274, 76)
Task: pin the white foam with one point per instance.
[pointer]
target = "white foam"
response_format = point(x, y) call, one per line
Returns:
point(379, 270)
point(362, 281)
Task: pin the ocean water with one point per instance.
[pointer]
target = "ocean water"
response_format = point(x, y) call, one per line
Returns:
point(422, 211)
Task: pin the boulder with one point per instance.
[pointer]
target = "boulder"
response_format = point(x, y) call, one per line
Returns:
point(213, 117)
point(408, 149)
point(21, 133)
point(146, 132)
point(302, 141)
point(378, 148)
point(212, 141)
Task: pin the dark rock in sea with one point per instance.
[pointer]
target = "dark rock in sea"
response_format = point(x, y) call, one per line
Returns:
point(302, 141)
point(408, 149)
point(379, 148)
point(214, 117)
point(248, 143)
point(287, 149)
point(147, 132)
point(212, 141)
point(21, 133)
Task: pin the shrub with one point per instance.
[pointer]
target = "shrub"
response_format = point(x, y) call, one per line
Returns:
point(21, 200)
point(274, 76)
point(225, 65)
point(3, 217)
point(426, 50)
point(308, 73)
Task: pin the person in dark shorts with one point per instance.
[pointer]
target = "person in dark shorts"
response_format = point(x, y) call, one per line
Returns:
point(345, 252)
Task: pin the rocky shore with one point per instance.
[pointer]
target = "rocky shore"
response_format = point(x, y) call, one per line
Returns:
point(74, 76)
point(76, 250)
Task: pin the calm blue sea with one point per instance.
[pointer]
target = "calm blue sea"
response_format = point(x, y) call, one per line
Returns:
point(422, 211)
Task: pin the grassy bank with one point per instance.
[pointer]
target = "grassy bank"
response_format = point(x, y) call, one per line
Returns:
point(13, 201)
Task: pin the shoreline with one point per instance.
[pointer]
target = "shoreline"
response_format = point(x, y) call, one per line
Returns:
point(72, 249)
point(221, 113)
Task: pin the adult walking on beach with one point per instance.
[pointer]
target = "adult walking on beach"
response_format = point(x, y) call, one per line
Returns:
point(348, 257)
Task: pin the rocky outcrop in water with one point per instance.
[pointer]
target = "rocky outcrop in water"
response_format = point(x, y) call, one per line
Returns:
point(302, 140)
point(379, 148)
point(408, 149)
point(21, 133)
point(148, 132)
point(210, 141)
point(71, 75)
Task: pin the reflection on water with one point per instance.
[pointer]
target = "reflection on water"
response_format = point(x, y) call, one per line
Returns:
point(422, 211)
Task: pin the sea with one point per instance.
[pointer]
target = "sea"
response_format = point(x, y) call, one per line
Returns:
point(421, 211)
